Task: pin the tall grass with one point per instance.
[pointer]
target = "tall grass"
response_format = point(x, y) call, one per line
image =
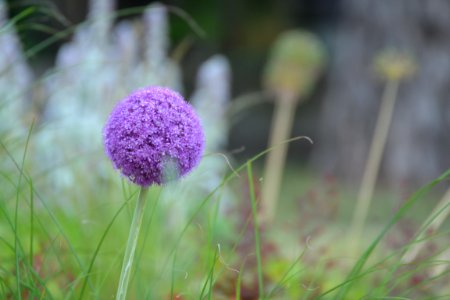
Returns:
point(48, 253)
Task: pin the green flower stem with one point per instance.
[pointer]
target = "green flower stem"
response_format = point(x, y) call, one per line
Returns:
point(273, 173)
point(131, 245)
point(373, 162)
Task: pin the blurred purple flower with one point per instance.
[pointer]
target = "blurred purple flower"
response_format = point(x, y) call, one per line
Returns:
point(148, 129)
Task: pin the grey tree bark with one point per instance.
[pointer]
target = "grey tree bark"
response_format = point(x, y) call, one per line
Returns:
point(418, 147)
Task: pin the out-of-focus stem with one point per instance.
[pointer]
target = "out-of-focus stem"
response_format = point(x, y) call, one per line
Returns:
point(273, 173)
point(432, 223)
point(131, 245)
point(373, 162)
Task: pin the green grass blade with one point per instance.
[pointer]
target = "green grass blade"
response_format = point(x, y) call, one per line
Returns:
point(16, 214)
point(239, 282)
point(210, 277)
point(49, 211)
point(256, 227)
point(405, 208)
point(210, 195)
point(283, 279)
point(22, 15)
point(31, 222)
point(417, 240)
point(172, 283)
point(99, 245)
point(211, 281)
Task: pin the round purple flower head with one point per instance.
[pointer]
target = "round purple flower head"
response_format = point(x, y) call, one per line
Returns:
point(148, 129)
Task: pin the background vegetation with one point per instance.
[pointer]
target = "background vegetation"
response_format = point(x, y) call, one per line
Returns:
point(65, 213)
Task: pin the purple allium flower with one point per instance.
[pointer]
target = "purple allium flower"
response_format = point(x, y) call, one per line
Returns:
point(147, 129)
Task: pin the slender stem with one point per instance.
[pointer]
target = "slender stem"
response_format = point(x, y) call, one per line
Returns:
point(373, 162)
point(273, 173)
point(131, 245)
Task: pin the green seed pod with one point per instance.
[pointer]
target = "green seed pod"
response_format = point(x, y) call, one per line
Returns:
point(296, 61)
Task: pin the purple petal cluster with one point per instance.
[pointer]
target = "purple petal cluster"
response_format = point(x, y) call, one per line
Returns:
point(147, 129)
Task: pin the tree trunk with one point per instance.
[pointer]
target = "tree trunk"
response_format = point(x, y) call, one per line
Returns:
point(419, 140)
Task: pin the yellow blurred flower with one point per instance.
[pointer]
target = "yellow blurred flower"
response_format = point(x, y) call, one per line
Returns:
point(394, 65)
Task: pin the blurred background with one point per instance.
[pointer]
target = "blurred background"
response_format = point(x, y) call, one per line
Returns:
point(340, 113)
point(367, 81)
